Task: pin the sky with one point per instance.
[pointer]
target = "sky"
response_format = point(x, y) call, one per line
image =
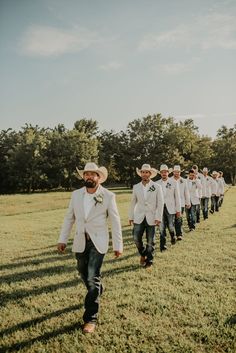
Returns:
point(116, 61)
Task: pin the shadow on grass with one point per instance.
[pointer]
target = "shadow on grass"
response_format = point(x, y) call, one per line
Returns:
point(37, 261)
point(231, 321)
point(43, 338)
point(26, 324)
point(28, 275)
point(233, 226)
point(23, 293)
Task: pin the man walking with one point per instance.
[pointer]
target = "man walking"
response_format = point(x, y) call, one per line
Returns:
point(194, 186)
point(206, 181)
point(184, 197)
point(88, 209)
point(145, 213)
point(172, 206)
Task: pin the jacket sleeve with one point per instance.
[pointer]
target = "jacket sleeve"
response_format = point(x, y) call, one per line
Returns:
point(177, 199)
point(160, 203)
point(116, 231)
point(68, 224)
point(132, 205)
point(186, 194)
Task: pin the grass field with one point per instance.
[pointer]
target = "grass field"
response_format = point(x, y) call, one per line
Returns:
point(187, 303)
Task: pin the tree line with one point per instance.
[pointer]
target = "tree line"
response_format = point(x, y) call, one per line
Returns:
point(35, 158)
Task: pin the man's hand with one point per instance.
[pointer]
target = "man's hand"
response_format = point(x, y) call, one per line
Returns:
point(157, 223)
point(117, 253)
point(131, 221)
point(188, 206)
point(61, 247)
point(177, 214)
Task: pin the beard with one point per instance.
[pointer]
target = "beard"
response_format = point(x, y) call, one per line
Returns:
point(90, 183)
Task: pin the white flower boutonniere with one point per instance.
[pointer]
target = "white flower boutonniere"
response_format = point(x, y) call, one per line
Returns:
point(98, 199)
point(152, 188)
point(168, 186)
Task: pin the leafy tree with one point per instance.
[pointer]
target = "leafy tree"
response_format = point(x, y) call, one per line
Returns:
point(224, 147)
point(87, 126)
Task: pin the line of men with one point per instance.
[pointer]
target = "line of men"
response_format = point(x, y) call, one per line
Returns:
point(159, 203)
point(162, 203)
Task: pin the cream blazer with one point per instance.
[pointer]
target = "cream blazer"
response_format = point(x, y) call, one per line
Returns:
point(96, 222)
point(151, 208)
point(172, 196)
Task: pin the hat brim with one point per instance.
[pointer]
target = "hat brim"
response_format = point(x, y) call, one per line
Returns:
point(153, 172)
point(170, 170)
point(102, 172)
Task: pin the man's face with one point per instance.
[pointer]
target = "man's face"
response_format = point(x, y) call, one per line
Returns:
point(176, 174)
point(164, 174)
point(91, 179)
point(191, 176)
point(145, 175)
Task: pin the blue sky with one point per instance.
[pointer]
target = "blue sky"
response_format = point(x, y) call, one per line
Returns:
point(116, 61)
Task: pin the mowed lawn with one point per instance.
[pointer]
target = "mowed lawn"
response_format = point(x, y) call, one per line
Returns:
point(187, 303)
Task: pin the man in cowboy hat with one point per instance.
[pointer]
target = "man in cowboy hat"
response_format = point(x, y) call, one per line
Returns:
point(172, 205)
point(146, 212)
point(194, 186)
point(184, 197)
point(88, 209)
point(198, 176)
point(223, 185)
point(206, 181)
point(217, 191)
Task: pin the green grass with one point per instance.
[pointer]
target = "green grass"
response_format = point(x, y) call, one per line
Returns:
point(186, 304)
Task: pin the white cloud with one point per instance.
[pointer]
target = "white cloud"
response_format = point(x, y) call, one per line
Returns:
point(113, 65)
point(175, 69)
point(216, 30)
point(51, 41)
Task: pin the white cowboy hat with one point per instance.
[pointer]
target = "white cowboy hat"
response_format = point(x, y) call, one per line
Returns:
point(177, 168)
point(214, 172)
point(148, 168)
point(205, 169)
point(164, 167)
point(92, 167)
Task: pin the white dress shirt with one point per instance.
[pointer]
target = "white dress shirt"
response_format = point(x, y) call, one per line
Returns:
point(88, 203)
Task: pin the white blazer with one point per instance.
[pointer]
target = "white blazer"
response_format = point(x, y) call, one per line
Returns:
point(95, 223)
point(184, 191)
point(206, 185)
point(194, 187)
point(171, 195)
point(151, 208)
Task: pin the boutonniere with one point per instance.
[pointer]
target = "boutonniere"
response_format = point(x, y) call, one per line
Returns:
point(181, 181)
point(168, 186)
point(194, 182)
point(207, 179)
point(98, 199)
point(152, 188)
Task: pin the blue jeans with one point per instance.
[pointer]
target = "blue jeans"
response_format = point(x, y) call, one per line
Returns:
point(214, 204)
point(179, 224)
point(89, 264)
point(138, 231)
point(168, 221)
point(204, 204)
point(197, 213)
point(191, 216)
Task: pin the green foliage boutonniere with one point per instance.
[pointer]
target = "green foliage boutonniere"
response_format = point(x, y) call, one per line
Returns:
point(152, 188)
point(98, 199)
